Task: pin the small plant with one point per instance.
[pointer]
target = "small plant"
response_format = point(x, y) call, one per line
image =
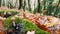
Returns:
point(13, 12)
point(7, 22)
point(1, 12)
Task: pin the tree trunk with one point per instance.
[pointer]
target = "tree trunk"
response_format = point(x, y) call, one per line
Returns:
point(0, 3)
point(39, 7)
point(20, 4)
point(29, 5)
point(24, 5)
point(44, 5)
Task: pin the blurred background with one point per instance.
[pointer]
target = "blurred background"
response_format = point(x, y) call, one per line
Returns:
point(47, 7)
point(38, 9)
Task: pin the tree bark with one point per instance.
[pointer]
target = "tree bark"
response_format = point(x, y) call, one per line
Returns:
point(24, 5)
point(29, 5)
point(20, 4)
point(0, 3)
point(39, 7)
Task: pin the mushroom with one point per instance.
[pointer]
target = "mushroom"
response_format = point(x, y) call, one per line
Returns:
point(3, 19)
point(0, 18)
point(13, 21)
point(13, 18)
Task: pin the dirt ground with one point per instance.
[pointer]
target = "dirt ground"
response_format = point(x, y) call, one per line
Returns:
point(1, 28)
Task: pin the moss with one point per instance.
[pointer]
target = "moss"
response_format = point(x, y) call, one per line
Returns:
point(1, 12)
point(26, 25)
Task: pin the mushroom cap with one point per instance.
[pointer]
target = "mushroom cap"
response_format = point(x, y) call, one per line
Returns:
point(1, 18)
point(13, 18)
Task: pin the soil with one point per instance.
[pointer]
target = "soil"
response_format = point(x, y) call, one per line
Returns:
point(1, 28)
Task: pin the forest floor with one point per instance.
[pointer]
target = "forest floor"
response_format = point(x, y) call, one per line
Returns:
point(1, 28)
